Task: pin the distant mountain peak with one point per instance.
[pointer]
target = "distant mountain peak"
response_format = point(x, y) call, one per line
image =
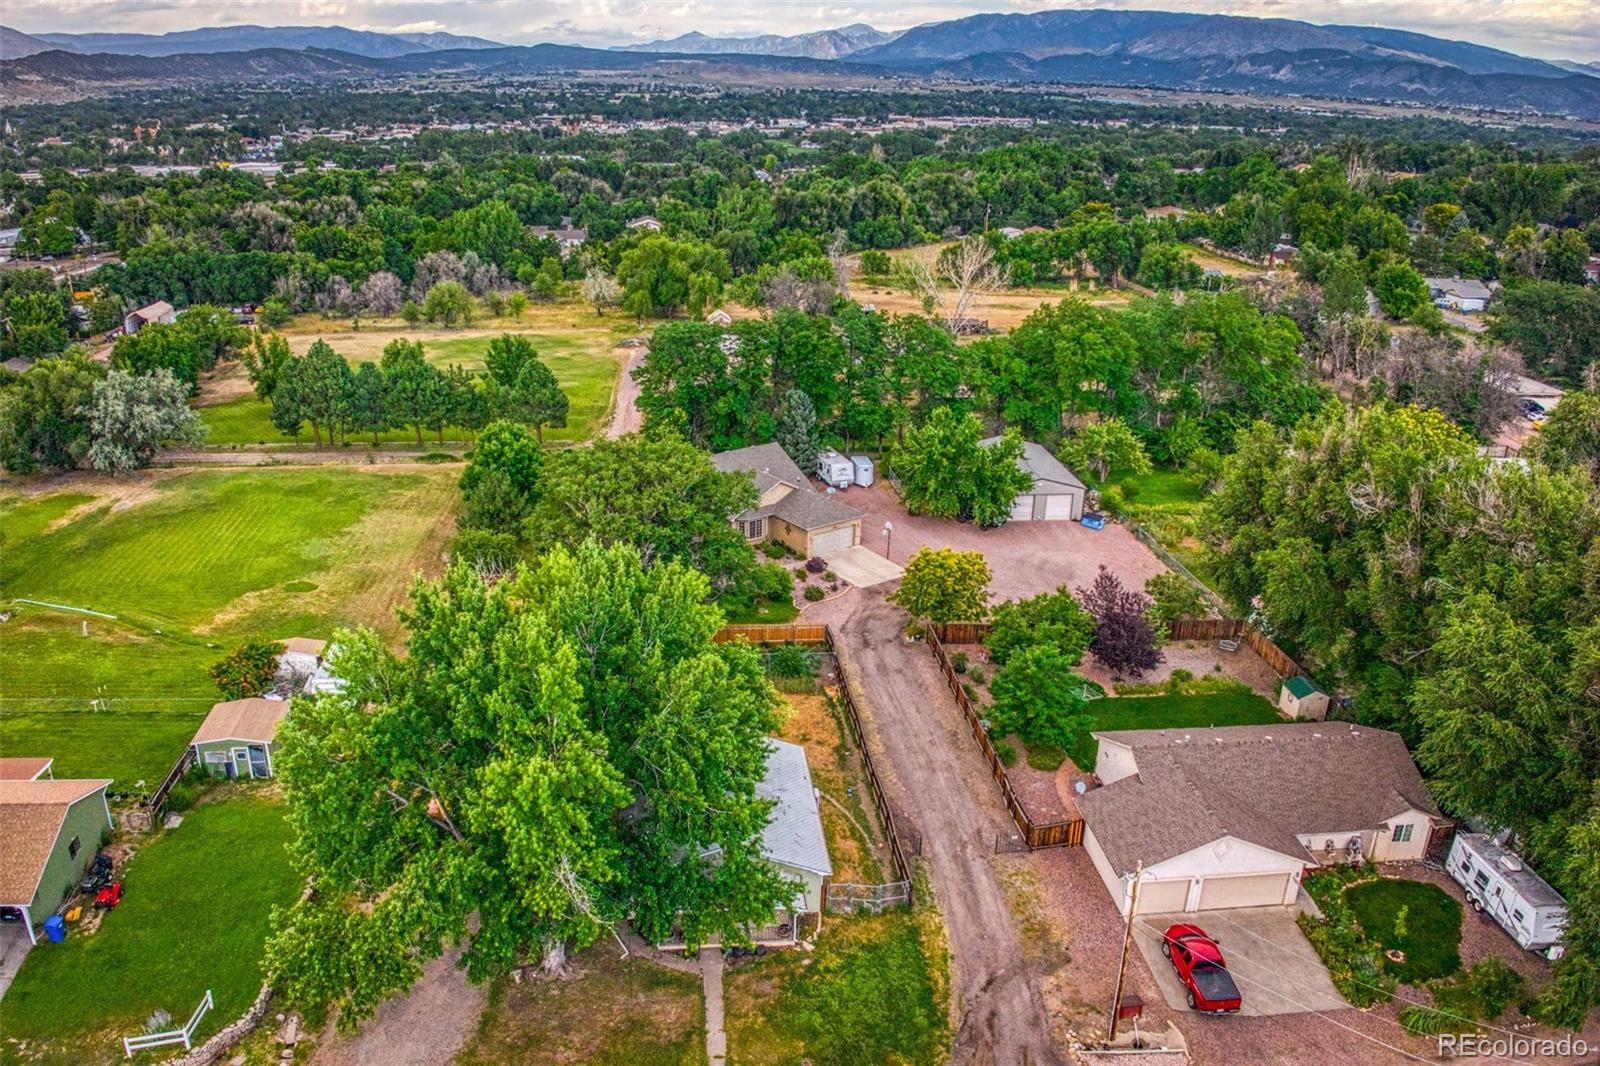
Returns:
point(822, 44)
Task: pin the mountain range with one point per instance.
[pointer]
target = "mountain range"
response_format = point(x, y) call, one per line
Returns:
point(1173, 50)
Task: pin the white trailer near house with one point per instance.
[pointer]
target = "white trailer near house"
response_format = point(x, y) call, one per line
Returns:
point(835, 470)
point(863, 465)
point(1500, 884)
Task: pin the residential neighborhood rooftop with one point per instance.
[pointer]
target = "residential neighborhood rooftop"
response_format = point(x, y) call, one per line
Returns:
point(31, 816)
point(770, 466)
point(303, 646)
point(1045, 468)
point(793, 834)
point(24, 769)
point(253, 720)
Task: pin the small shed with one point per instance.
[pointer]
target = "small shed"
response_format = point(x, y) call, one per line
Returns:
point(238, 737)
point(792, 839)
point(160, 311)
point(1301, 698)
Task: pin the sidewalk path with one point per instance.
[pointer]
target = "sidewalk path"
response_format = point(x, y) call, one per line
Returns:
point(711, 984)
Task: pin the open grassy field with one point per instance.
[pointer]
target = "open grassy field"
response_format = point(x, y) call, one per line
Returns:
point(611, 1012)
point(873, 991)
point(579, 346)
point(189, 565)
point(194, 917)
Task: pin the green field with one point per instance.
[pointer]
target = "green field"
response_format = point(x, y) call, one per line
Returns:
point(194, 917)
point(190, 565)
point(1172, 712)
point(583, 361)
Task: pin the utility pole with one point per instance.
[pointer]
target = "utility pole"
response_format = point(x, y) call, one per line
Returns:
point(1127, 943)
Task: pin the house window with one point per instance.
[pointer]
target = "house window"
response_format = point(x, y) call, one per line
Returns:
point(755, 529)
point(74, 847)
point(1402, 833)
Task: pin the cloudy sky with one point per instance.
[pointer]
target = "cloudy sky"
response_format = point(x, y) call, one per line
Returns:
point(1552, 29)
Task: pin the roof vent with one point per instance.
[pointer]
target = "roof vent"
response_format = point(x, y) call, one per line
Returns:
point(1511, 862)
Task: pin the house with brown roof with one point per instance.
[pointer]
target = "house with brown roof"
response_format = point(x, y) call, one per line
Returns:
point(787, 509)
point(29, 768)
point(160, 311)
point(49, 831)
point(238, 737)
point(1234, 816)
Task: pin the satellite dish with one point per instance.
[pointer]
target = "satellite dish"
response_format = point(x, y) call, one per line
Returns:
point(1079, 787)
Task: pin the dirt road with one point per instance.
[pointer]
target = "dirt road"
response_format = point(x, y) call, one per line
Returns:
point(625, 416)
point(938, 778)
point(425, 1027)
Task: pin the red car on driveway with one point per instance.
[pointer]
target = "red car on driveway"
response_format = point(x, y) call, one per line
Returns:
point(1202, 969)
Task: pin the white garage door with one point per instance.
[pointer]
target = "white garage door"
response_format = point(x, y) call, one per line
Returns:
point(1257, 890)
point(833, 540)
point(1163, 897)
point(1022, 508)
point(1057, 507)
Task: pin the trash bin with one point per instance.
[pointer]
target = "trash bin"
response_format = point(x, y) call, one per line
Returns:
point(55, 927)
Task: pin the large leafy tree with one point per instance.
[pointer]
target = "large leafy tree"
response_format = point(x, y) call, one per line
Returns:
point(947, 470)
point(316, 388)
point(1054, 619)
point(132, 415)
point(663, 276)
point(42, 419)
point(1125, 641)
point(414, 389)
point(943, 585)
point(713, 384)
point(555, 753)
point(1039, 697)
point(1106, 445)
point(655, 492)
point(1556, 327)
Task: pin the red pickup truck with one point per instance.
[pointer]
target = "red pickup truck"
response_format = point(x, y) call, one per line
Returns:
point(1202, 969)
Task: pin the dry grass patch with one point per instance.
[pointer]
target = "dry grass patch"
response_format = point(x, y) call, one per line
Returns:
point(855, 840)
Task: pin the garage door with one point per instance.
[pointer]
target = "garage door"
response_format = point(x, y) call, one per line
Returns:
point(833, 540)
point(1058, 507)
point(1259, 890)
point(1163, 897)
point(1022, 508)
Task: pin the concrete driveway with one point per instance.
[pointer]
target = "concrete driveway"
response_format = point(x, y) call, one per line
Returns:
point(863, 567)
point(14, 948)
point(1276, 969)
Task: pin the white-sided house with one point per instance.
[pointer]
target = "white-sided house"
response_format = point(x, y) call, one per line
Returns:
point(1466, 295)
point(238, 737)
point(1233, 816)
point(787, 510)
point(1499, 883)
point(160, 311)
point(648, 222)
point(1056, 494)
point(793, 840)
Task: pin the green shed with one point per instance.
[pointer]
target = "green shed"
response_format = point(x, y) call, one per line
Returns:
point(238, 737)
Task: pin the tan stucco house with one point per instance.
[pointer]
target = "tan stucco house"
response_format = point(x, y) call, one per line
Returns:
point(1234, 816)
point(788, 510)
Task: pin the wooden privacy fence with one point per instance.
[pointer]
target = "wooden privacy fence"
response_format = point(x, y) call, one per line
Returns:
point(1049, 835)
point(1236, 629)
point(900, 889)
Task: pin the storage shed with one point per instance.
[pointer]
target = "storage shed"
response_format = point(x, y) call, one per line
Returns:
point(1300, 698)
point(238, 737)
point(1056, 494)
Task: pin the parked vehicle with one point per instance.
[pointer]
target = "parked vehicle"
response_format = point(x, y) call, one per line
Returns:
point(1200, 966)
point(10, 914)
point(864, 469)
point(835, 470)
point(1500, 885)
point(98, 873)
point(109, 896)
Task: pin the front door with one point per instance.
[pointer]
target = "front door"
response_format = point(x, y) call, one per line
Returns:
point(258, 760)
point(241, 763)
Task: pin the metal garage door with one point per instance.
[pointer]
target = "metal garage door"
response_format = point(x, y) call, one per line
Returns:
point(1058, 507)
point(1257, 890)
point(833, 540)
point(1022, 508)
point(1163, 897)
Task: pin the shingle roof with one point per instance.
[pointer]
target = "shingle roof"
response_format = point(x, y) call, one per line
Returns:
point(793, 834)
point(759, 459)
point(253, 719)
point(151, 312)
point(1467, 288)
point(1045, 468)
point(809, 510)
point(770, 465)
point(303, 645)
point(1266, 784)
point(23, 769)
point(31, 816)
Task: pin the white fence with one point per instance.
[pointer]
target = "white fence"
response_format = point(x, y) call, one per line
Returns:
point(130, 1044)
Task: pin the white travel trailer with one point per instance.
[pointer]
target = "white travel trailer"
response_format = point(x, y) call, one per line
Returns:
point(837, 471)
point(1499, 883)
point(863, 466)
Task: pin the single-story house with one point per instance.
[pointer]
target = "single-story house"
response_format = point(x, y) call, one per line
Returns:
point(1541, 395)
point(719, 317)
point(49, 831)
point(649, 222)
point(1057, 493)
point(17, 768)
point(1282, 254)
point(793, 840)
point(238, 737)
point(1301, 698)
point(1461, 294)
point(160, 311)
point(1010, 233)
point(568, 238)
point(1234, 816)
point(788, 510)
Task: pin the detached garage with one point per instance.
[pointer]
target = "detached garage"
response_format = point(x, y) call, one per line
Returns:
point(1215, 819)
point(1057, 493)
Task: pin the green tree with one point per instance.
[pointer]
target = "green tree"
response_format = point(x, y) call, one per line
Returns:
point(1053, 619)
point(536, 399)
point(1399, 288)
point(797, 429)
point(450, 304)
point(1105, 446)
point(944, 585)
point(159, 346)
point(316, 388)
point(1173, 596)
point(264, 360)
point(1570, 435)
point(553, 753)
point(1039, 697)
point(37, 324)
point(663, 276)
point(1556, 327)
point(366, 410)
point(413, 388)
point(656, 493)
point(42, 419)
point(248, 670)
point(509, 448)
point(947, 470)
point(132, 416)
point(875, 264)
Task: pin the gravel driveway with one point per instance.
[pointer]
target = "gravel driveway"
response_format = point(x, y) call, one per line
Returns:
point(937, 777)
point(425, 1027)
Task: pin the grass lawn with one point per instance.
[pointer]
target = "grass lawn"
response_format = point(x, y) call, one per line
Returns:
point(194, 917)
point(1172, 712)
point(614, 1012)
point(873, 991)
point(760, 612)
point(191, 565)
point(1431, 936)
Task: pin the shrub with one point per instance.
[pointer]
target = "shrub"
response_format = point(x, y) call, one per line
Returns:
point(1005, 753)
point(800, 575)
point(816, 564)
point(248, 670)
point(485, 550)
point(1053, 618)
point(774, 550)
point(792, 661)
point(978, 676)
point(829, 575)
point(814, 593)
point(958, 662)
point(770, 581)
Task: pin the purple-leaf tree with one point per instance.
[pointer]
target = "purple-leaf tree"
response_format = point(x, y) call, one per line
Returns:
point(1124, 640)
